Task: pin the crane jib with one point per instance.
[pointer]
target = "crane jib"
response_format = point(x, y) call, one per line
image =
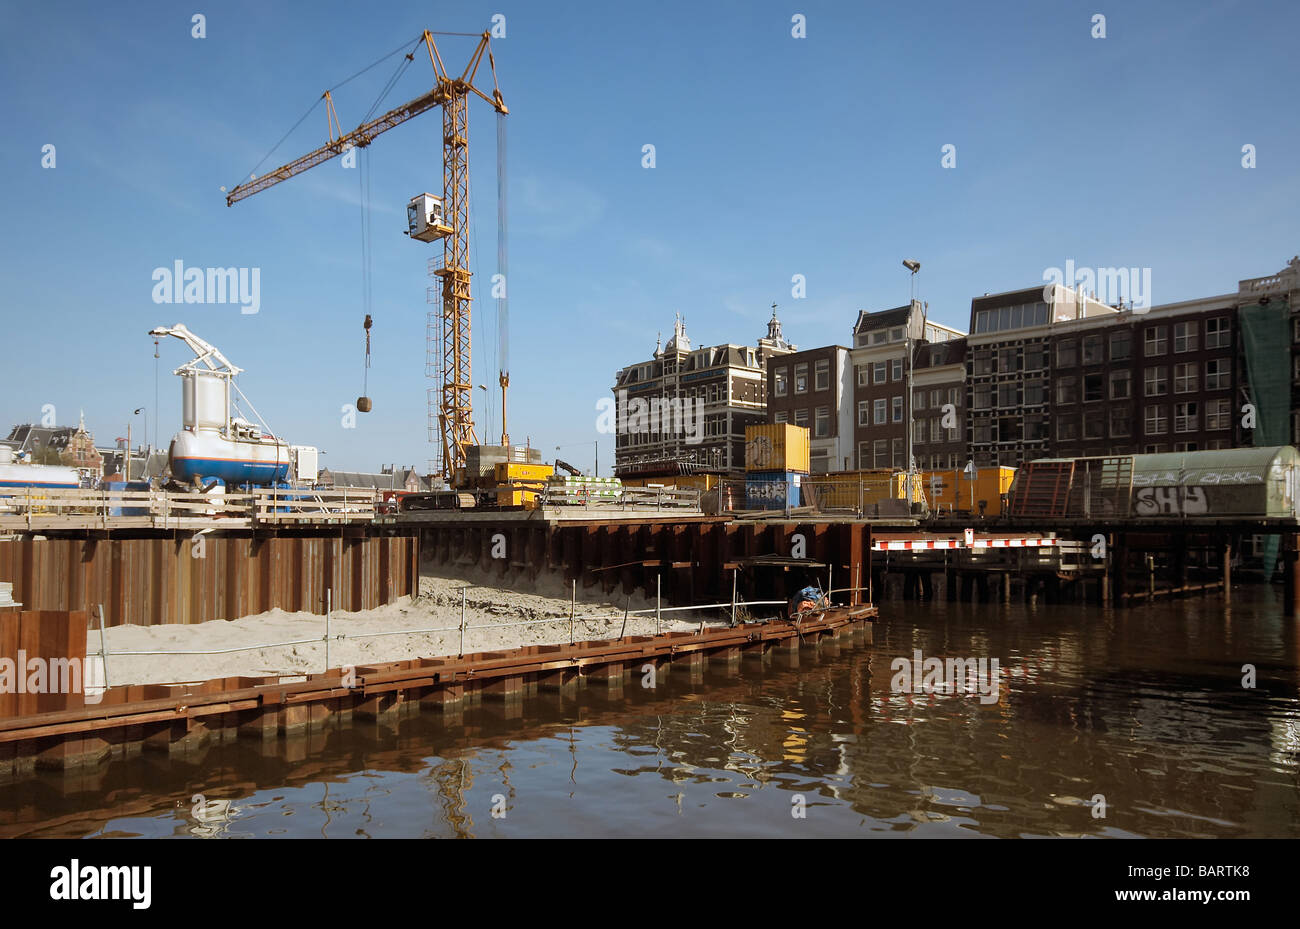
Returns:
point(360, 137)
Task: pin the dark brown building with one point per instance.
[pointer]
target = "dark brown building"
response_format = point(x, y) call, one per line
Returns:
point(814, 388)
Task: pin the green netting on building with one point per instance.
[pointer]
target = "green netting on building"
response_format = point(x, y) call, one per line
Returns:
point(1267, 344)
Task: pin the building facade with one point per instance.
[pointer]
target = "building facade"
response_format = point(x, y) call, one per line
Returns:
point(814, 388)
point(1048, 372)
point(881, 403)
point(689, 406)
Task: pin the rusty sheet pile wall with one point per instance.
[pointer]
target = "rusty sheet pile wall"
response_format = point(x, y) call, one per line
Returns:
point(690, 557)
point(192, 580)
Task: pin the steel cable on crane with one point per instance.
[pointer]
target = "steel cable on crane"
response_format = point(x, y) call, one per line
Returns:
point(503, 265)
point(404, 47)
point(367, 277)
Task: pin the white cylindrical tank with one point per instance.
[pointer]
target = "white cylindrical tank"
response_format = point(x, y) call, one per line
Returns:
point(205, 401)
point(47, 476)
point(199, 456)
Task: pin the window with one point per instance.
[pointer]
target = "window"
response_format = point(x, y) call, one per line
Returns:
point(896, 334)
point(780, 385)
point(1121, 345)
point(864, 454)
point(898, 409)
point(1218, 332)
point(862, 375)
point(1157, 419)
point(1156, 381)
point(1036, 357)
point(881, 410)
point(801, 417)
point(1092, 353)
point(1067, 429)
point(878, 337)
point(1009, 395)
point(1121, 422)
point(880, 450)
point(822, 422)
point(864, 413)
point(1035, 393)
point(936, 396)
point(919, 431)
point(1036, 429)
point(1094, 425)
point(983, 362)
point(1185, 378)
point(1216, 374)
point(1218, 414)
point(1187, 416)
point(896, 369)
point(1184, 446)
point(936, 430)
point(1121, 385)
point(879, 370)
point(1153, 450)
point(823, 374)
point(1008, 360)
point(897, 457)
point(1067, 390)
point(1065, 354)
point(982, 432)
point(1185, 337)
point(918, 399)
point(781, 416)
point(801, 378)
point(983, 396)
point(1093, 389)
point(1156, 341)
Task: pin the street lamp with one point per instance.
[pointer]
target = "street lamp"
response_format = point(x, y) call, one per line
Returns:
point(126, 461)
point(487, 413)
point(911, 264)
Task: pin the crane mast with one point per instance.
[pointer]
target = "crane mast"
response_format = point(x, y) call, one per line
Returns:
point(451, 401)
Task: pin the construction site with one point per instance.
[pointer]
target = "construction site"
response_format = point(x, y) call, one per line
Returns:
point(229, 594)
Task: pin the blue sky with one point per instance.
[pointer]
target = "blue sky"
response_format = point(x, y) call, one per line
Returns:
point(775, 156)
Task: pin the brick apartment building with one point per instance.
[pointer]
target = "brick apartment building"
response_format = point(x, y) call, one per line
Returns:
point(727, 383)
point(881, 404)
point(1047, 372)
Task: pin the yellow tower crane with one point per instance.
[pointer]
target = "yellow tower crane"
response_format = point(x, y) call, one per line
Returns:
point(428, 218)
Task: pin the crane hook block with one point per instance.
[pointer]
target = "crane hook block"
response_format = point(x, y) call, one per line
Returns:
point(363, 404)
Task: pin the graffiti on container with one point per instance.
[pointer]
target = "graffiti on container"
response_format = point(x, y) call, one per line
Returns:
point(1207, 478)
point(1164, 501)
point(760, 452)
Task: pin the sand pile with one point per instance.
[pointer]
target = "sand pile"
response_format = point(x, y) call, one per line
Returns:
point(491, 614)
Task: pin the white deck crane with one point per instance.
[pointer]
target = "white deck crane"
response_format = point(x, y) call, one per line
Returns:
point(216, 444)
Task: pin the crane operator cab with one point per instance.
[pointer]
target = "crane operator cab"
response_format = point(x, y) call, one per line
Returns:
point(424, 218)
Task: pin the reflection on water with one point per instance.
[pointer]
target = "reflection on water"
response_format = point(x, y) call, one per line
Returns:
point(1143, 710)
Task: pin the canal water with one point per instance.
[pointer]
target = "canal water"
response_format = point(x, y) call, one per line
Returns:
point(1105, 723)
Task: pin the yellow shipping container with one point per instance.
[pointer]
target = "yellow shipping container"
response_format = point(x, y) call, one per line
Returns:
point(700, 482)
point(519, 471)
point(776, 447)
point(951, 489)
point(525, 498)
point(848, 490)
